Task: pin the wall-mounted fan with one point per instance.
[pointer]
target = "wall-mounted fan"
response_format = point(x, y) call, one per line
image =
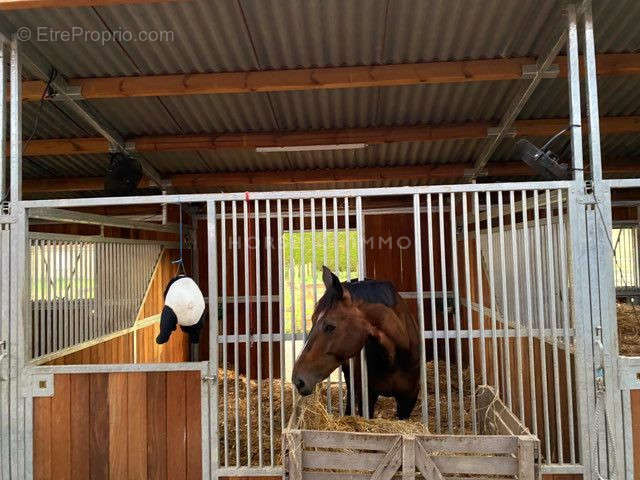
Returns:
point(123, 175)
point(542, 160)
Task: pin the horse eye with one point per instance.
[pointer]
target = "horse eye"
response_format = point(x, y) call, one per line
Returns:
point(328, 328)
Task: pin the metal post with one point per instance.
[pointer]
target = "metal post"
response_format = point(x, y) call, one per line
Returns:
point(212, 253)
point(592, 95)
point(16, 123)
point(581, 313)
point(573, 67)
point(3, 122)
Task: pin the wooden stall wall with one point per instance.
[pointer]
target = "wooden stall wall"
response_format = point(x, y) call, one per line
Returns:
point(121, 348)
point(119, 425)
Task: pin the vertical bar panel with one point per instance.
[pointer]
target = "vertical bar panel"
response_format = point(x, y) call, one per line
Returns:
point(247, 323)
point(236, 328)
point(417, 239)
point(213, 394)
point(281, 297)
point(225, 342)
point(492, 294)
point(434, 325)
point(456, 300)
point(348, 279)
point(445, 310)
point(479, 282)
point(565, 325)
point(269, 246)
point(361, 275)
point(256, 243)
point(551, 260)
point(516, 303)
point(470, 329)
point(541, 324)
point(292, 289)
point(528, 288)
point(325, 247)
point(303, 283)
point(336, 267)
point(505, 304)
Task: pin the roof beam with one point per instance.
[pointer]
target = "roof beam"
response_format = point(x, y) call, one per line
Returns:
point(31, 4)
point(236, 180)
point(370, 136)
point(324, 78)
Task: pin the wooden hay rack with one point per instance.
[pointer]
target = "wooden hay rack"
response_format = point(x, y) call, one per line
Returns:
point(504, 449)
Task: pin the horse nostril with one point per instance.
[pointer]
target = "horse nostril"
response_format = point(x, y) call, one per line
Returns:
point(299, 383)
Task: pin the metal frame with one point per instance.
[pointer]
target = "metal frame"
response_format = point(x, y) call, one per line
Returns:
point(589, 221)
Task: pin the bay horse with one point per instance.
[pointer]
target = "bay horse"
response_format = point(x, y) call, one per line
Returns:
point(357, 314)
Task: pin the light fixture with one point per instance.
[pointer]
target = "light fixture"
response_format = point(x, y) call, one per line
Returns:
point(542, 160)
point(312, 148)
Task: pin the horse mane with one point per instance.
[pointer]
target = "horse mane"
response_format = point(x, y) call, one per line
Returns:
point(370, 291)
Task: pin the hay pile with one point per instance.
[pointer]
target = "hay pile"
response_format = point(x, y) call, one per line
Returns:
point(246, 450)
point(629, 329)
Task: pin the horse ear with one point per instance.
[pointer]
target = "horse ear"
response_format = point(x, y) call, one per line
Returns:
point(331, 281)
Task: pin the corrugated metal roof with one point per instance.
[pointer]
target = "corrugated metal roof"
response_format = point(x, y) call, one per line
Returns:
point(273, 34)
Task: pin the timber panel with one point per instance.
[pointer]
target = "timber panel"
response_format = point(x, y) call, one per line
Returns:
point(119, 425)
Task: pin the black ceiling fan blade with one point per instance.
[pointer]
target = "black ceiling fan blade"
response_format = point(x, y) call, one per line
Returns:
point(543, 163)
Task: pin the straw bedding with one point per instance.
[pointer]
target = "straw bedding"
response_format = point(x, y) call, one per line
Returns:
point(629, 329)
point(315, 416)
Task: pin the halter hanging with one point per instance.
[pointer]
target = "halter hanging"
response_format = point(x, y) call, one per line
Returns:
point(179, 261)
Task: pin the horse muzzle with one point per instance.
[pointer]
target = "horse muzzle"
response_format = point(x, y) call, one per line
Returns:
point(304, 387)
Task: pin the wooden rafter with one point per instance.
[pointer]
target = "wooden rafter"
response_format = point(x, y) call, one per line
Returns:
point(324, 78)
point(370, 136)
point(234, 180)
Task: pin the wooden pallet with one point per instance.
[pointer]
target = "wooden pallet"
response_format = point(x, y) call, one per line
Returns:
point(505, 449)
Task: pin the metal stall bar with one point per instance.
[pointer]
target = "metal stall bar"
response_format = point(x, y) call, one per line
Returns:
point(467, 277)
point(566, 326)
point(236, 326)
point(352, 386)
point(336, 267)
point(479, 281)
point(210, 395)
point(292, 286)
point(417, 238)
point(269, 246)
point(225, 341)
point(529, 312)
point(541, 325)
point(301, 269)
point(325, 248)
point(445, 308)
point(492, 296)
point(516, 303)
point(506, 354)
point(551, 285)
point(247, 324)
point(256, 246)
point(281, 295)
point(364, 374)
point(434, 326)
point(456, 299)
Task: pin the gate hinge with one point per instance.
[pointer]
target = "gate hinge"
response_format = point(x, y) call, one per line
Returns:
point(39, 385)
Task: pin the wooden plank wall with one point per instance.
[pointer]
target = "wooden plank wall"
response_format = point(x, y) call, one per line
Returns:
point(120, 349)
point(119, 425)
